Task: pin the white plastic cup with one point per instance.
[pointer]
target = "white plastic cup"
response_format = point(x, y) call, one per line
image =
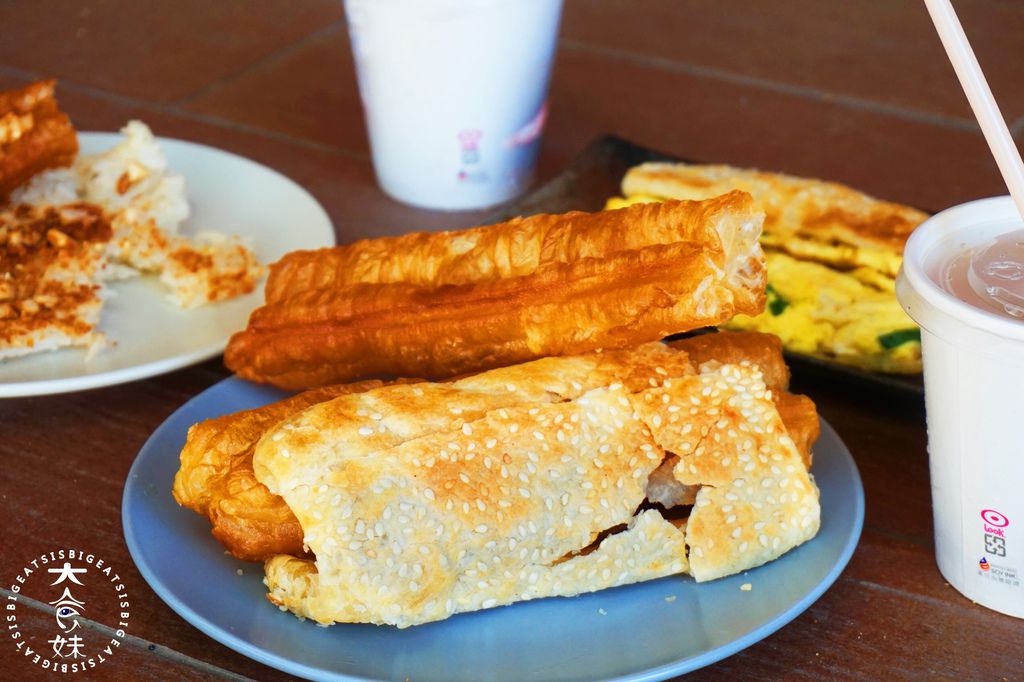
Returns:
point(455, 95)
point(974, 396)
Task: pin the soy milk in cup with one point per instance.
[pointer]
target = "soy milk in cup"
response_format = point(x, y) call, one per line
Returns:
point(454, 93)
point(962, 281)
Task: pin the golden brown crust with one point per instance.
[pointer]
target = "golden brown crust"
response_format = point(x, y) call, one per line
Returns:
point(34, 135)
point(800, 417)
point(762, 350)
point(516, 248)
point(435, 531)
point(460, 302)
point(216, 477)
point(506, 506)
point(756, 500)
point(794, 207)
point(825, 210)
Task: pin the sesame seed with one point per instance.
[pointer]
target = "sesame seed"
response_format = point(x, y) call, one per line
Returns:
point(365, 431)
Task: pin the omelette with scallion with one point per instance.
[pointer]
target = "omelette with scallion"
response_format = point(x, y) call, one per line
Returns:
point(832, 254)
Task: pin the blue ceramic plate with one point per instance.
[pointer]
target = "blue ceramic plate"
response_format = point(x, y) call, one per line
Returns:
point(648, 631)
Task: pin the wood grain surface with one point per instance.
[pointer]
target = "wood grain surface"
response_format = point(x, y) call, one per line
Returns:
point(856, 91)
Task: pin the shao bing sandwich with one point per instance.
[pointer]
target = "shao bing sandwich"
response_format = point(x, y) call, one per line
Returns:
point(586, 454)
point(415, 501)
point(832, 253)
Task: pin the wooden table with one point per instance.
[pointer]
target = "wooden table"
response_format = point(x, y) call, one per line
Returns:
point(857, 92)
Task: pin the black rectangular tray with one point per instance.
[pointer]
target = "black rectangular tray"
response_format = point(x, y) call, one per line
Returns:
point(595, 175)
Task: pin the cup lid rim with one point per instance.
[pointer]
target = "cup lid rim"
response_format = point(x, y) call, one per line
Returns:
point(941, 226)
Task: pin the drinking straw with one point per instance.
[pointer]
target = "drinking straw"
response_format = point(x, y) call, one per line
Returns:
point(980, 96)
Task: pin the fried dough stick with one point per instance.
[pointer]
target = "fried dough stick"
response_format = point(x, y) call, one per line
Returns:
point(446, 304)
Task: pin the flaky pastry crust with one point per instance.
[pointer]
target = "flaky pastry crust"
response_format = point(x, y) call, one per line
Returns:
point(800, 213)
point(216, 477)
point(505, 507)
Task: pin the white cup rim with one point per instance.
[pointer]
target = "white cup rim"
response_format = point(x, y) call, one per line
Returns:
point(942, 226)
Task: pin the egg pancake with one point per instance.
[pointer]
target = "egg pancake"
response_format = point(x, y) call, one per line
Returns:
point(819, 311)
point(832, 252)
point(809, 219)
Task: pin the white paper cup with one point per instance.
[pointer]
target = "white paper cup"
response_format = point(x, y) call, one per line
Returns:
point(974, 395)
point(454, 93)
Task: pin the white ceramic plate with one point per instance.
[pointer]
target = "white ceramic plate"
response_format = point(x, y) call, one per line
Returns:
point(227, 193)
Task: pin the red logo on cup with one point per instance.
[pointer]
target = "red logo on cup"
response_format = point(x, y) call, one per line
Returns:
point(470, 138)
point(994, 518)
